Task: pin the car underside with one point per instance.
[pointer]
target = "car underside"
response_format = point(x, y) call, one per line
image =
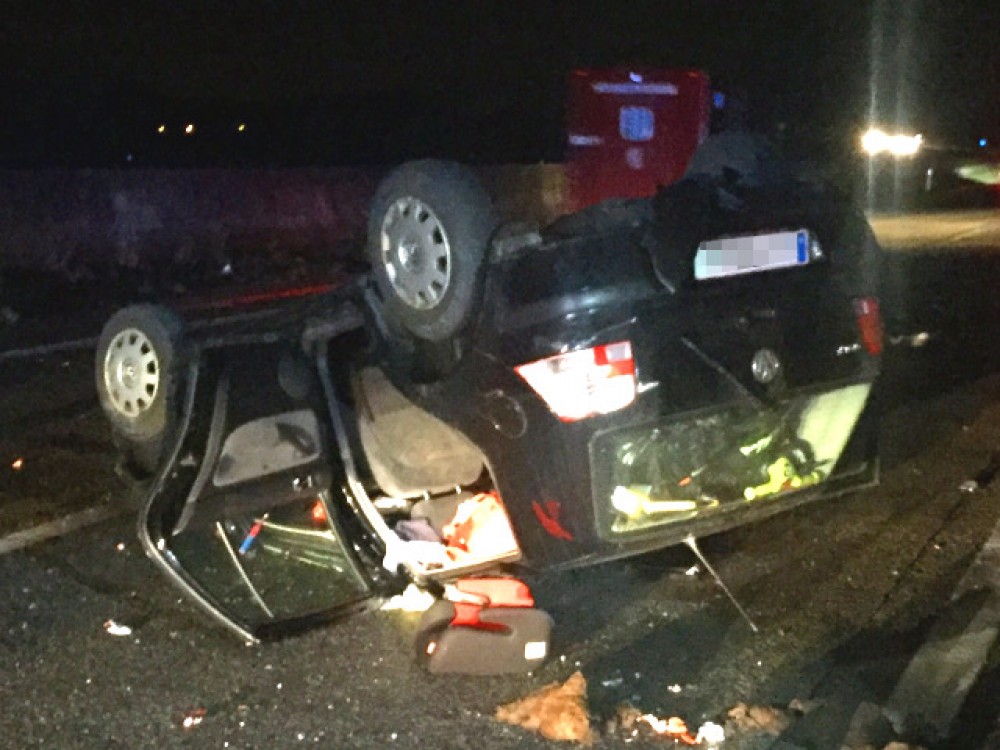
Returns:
point(491, 400)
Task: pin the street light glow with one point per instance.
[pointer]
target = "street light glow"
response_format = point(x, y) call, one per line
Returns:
point(189, 129)
point(161, 129)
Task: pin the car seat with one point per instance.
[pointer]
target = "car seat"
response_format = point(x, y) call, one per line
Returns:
point(410, 451)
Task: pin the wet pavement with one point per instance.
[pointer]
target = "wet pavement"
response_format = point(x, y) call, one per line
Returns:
point(845, 592)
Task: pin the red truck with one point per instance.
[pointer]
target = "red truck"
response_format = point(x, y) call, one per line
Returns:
point(630, 130)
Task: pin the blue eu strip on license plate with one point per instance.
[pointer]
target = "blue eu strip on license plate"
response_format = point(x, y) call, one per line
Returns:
point(733, 256)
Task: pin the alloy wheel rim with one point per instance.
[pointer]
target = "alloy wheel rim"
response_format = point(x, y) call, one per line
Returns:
point(131, 373)
point(416, 253)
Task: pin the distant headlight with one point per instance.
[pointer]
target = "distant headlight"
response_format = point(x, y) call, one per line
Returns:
point(876, 142)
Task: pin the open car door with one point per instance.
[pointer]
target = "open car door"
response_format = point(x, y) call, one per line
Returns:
point(247, 515)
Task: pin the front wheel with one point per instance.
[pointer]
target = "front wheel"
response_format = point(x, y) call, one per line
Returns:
point(137, 369)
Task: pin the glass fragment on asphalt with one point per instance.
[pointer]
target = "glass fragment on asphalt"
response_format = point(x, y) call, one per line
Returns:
point(117, 628)
point(711, 734)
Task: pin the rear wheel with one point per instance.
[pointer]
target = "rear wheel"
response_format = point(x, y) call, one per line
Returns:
point(137, 372)
point(429, 228)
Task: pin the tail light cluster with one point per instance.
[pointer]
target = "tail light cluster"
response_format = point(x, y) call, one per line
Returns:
point(869, 317)
point(585, 382)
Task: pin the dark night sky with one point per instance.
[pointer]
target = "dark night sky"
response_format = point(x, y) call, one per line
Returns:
point(69, 67)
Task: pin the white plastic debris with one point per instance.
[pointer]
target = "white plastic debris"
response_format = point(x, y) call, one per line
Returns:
point(674, 689)
point(413, 599)
point(969, 485)
point(193, 718)
point(711, 734)
point(116, 628)
point(692, 571)
point(415, 554)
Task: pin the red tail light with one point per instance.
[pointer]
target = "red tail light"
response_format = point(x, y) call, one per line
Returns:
point(586, 382)
point(866, 311)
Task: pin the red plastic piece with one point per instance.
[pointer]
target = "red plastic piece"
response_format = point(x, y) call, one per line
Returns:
point(500, 591)
point(497, 592)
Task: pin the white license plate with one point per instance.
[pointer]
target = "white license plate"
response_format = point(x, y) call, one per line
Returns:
point(732, 256)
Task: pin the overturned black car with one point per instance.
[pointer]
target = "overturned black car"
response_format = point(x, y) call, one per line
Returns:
point(488, 399)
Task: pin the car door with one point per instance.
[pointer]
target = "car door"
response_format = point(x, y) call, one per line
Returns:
point(248, 516)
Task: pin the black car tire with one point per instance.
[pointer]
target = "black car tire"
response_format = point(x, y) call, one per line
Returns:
point(137, 368)
point(428, 230)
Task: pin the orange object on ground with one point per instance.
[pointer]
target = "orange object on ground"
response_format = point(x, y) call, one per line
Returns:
point(495, 592)
point(677, 729)
point(501, 592)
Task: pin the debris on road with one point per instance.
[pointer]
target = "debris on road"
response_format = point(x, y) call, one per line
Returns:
point(632, 724)
point(711, 734)
point(117, 628)
point(557, 711)
point(969, 485)
point(18, 464)
point(193, 718)
point(748, 719)
point(413, 599)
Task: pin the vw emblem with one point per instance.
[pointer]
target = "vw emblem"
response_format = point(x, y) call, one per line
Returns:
point(765, 366)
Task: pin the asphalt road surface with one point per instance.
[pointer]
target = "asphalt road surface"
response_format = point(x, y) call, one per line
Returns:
point(846, 593)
